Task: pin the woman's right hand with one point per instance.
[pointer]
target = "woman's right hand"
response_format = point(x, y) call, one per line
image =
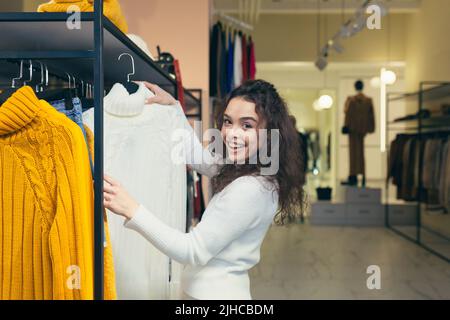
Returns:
point(161, 96)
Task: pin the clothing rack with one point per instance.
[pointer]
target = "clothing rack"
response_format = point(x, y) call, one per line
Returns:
point(429, 92)
point(89, 53)
point(234, 21)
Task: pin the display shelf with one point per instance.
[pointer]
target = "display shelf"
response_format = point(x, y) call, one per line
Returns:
point(89, 53)
point(437, 91)
point(433, 93)
point(45, 36)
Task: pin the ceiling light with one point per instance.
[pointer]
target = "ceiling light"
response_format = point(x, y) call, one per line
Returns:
point(388, 77)
point(325, 101)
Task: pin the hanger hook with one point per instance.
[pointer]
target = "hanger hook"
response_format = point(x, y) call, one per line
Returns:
point(132, 64)
point(82, 87)
point(20, 75)
point(46, 75)
point(31, 73)
point(41, 84)
point(70, 80)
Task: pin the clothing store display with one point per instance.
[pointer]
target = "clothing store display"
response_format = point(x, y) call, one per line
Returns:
point(360, 120)
point(137, 152)
point(111, 9)
point(406, 153)
point(231, 60)
point(47, 200)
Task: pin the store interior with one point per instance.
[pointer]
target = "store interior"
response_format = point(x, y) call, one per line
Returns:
point(313, 56)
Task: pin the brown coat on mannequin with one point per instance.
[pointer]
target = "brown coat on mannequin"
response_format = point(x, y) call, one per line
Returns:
point(360, 120)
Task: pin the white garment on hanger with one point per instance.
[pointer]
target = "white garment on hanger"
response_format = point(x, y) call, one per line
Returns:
point(137, 150)
point(237, 61)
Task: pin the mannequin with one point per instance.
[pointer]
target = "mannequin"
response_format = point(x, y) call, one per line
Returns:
point(359, 121)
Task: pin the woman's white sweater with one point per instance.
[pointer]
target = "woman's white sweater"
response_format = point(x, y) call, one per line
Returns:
point(220, 250)
point(137, 148)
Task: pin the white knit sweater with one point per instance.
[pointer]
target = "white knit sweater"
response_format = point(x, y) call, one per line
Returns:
point(137, 145)
point(220, 250)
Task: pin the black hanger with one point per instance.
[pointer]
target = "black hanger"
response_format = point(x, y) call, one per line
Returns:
point(9, 91)
point(130, 86)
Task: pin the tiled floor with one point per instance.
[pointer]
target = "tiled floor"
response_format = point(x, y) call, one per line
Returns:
point(312, 262)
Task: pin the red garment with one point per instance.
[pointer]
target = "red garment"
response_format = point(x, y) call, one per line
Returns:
point(180, 90)
point(252, 61)
point(197, 201)
point(244, 59)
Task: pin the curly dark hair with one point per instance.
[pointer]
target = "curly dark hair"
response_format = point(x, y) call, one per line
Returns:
point(290, 178)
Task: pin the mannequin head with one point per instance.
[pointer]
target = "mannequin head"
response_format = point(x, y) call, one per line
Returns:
point(359, 86)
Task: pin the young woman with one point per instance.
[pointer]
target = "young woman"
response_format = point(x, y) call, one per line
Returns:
point(220, 250)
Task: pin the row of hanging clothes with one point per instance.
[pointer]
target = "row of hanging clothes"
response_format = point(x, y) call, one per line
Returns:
point(46, 187)
point(46, 190)
point(419, 167)
point(232, 59)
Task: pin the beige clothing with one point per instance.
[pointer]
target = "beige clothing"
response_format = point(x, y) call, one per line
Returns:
point(360, 120)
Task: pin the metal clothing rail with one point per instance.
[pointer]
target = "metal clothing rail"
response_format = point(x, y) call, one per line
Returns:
point(438, 91)
point(234, 21)
point(89, 53)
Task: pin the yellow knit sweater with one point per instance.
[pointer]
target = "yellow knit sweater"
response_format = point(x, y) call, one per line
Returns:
point(46, 204)
point(111, 9)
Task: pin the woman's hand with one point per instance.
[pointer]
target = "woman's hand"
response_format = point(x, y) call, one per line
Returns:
point(117, 199)
point(161, 96)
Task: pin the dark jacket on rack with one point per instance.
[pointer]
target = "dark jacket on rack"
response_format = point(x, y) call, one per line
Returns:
point(213, 60)
point(223, 65)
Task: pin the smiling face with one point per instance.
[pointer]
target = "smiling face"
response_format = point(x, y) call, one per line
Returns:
point(240, 130)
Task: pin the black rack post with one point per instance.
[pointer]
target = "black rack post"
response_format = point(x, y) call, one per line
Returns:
point(98, 150)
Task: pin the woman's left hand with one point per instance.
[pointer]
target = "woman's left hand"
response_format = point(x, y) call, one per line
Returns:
point(117, 199)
